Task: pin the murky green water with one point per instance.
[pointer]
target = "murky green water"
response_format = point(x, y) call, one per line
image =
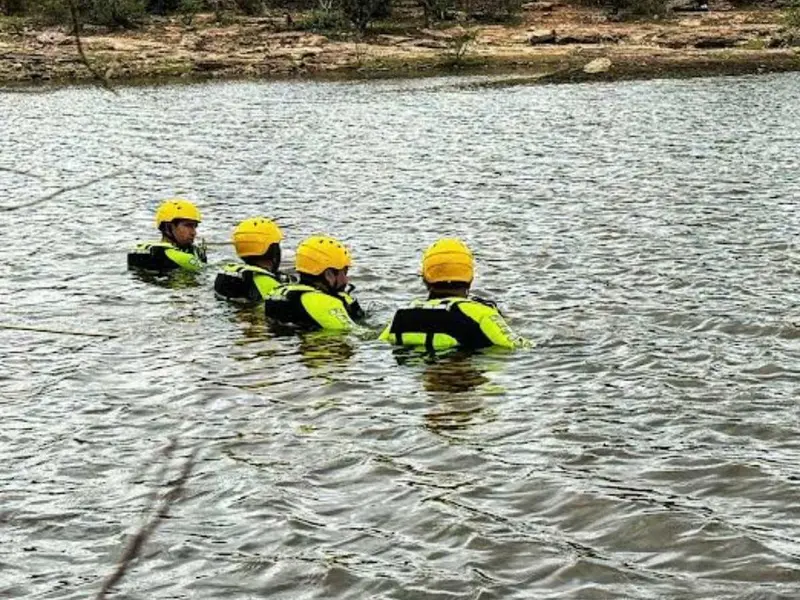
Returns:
point(643, 233)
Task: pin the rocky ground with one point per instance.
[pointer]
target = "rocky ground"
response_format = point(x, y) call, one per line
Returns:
point(553, 42)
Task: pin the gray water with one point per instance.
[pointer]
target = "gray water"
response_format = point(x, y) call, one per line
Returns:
point(642, 233)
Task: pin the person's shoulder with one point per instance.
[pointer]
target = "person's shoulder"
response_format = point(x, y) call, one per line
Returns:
point(323, 298)
point(484, 301)
point(151, 247)
point(231, 267)
point(477, 307)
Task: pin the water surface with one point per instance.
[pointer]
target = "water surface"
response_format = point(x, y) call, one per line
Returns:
point(643, 233)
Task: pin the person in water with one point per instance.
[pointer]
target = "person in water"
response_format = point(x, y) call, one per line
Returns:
point(449, 317)
point(321, 299)
point(177, 220)
point(258, 244)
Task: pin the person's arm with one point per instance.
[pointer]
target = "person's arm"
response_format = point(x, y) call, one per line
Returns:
point(387, 335)
point(353, 308)
point(263, 286)
point(328, 311)
point(494, 326)
point(185, 260)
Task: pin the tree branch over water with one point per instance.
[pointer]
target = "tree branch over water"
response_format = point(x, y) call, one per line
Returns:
point(76, 31)
point(58, 331)
point(137, 542)
point(62, 191)
point(20, 172)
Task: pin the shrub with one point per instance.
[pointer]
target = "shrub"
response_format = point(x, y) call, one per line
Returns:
point(437, 10)
point(112, 13)
point(13, 7)
point(162, 7)
point(50, 11)
point(322, 21)
point(109, 13)
point(361, 12)
point(636, 9)
point(250, 7)
point(493, 10)
point(792, 15)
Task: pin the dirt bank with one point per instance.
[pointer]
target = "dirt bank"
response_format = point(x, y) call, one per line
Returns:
point(554, 42)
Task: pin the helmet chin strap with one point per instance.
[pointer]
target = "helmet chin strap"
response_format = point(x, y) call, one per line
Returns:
point(168, 233)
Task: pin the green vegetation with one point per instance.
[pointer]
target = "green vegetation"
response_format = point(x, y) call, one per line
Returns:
point(792, 15)
point(619, 10)
point(328, 16)
point(313, 15)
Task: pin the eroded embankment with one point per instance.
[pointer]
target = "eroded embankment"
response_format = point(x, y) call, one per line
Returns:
point(556, 43)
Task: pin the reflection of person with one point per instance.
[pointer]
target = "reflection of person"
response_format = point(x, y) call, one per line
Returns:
point(457, 374)
point(449, 382)
point(323, 350)
point(258, 244)
point(177, 220)
point(449, 317)
point(321, 299)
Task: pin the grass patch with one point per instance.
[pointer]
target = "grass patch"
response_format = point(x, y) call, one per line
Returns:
point(792, 15)
point(754, 44)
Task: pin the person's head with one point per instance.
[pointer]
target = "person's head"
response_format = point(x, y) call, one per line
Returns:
point(177, 220)
point(323, 262)
point(258, 242)
point(448, 268)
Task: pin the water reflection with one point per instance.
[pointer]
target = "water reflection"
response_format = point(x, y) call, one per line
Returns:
point(324, 350)
point(647, 241)
point(457, 383)
point(176, 280)
point(455, 373)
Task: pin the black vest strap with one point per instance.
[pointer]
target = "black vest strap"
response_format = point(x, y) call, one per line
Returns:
point(430, 321)
point(237, 284)
point(287, 307)
point(154, 258)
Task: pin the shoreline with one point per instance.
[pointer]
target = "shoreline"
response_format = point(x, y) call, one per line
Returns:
point(552, 44)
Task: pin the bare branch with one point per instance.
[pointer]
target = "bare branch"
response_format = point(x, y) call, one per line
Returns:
point(62, 191)
point(76, 27)
point(20, 172)
point(137, 542)
point(58, 331)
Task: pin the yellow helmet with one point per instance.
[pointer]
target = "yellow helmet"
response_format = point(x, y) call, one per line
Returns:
point(320, 252)
point(253, 237)
point(448, 259)
point(176, 208)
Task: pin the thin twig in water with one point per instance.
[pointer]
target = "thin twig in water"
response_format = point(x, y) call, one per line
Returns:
point(63, 190)
point(166, 457)
point(58, 331)
point(76, 27)
point(138, 541)
point(20, 172)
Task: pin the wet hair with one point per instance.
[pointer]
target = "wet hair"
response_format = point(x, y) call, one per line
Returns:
point(162, 227)
point(317, 281)
point(311, 279)
point(442, 289)
point(273, 254)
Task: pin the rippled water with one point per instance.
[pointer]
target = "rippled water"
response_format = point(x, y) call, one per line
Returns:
point(643, 233)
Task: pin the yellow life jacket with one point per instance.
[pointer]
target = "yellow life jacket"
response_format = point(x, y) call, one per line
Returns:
point(164, 257)
point(310, 308)
point(245, 283)
point(442, 323)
